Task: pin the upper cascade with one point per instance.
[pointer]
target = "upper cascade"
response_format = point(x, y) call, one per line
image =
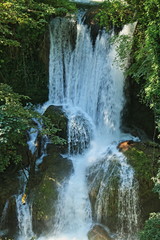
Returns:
point(85, 77)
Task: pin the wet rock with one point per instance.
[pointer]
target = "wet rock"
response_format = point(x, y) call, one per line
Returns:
point(91, 22)
point(98, 233)
point(103, 179)
point(44, 193)
point(124, 146)
point(58, 118)
point(80, 134)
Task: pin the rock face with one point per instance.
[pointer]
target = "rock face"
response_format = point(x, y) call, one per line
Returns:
point(98, 233)
point(90, 21)
point(137, 118)
point(44, 190)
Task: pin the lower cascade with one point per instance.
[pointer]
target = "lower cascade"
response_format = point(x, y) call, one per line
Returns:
point(99, 200)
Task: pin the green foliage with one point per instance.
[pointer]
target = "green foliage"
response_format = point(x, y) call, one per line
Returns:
point(151, 229)
point(29, 16)
point(123, 45)
point(143, 158)
point(15, 120)
point(114, 14)
point(24, 43)
point(145, 60)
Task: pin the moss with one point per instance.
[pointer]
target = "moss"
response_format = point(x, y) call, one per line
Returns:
point(144, 158)
point(44, 197)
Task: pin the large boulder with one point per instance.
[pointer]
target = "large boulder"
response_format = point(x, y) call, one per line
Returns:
point(58, 118)
point(44, 188)
point(103, 180)
point(98, 233)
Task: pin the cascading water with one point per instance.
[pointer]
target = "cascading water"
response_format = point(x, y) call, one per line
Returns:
point(87, 83)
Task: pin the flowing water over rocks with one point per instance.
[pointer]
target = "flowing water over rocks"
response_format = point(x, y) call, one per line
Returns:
point(99, 199)
point(102, 188)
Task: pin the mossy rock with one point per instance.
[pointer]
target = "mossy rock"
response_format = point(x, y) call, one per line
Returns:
point(53, 171)
point(58, 118)
point(144, 158)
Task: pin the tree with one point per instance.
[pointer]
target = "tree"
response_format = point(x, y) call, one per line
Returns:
point(30, 16)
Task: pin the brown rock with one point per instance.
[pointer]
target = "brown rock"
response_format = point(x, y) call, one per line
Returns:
point(98, 233)
point(124, 146)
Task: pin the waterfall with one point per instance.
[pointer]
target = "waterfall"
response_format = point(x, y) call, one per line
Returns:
point(85, 80)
